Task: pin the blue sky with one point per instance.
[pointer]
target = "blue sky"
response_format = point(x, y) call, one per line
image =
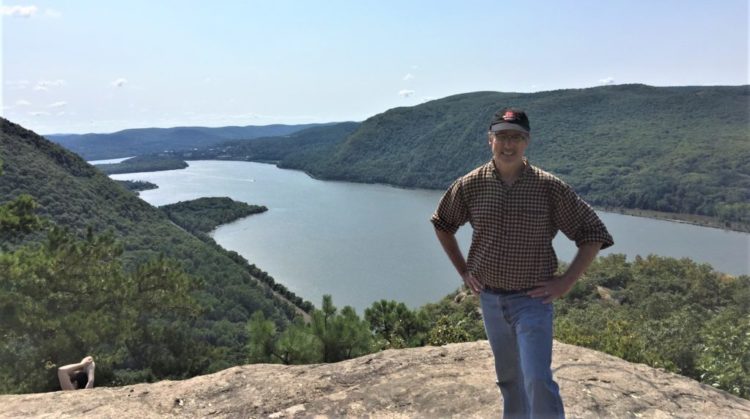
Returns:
point(102, 66)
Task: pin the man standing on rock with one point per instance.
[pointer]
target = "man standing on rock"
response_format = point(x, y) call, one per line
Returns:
point(515, 210)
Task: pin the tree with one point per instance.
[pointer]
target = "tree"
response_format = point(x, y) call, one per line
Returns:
point(394, 324)
point(17, 217)
point(297, 344)
point(324, 329)
point(68, 296)
point(724, 361)
point(356, 339)
point(262, 334)
point(341, 336)
point(330, 337)
point(445, 331)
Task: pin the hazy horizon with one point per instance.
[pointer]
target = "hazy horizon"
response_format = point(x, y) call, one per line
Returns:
point(101, 67)
point(324, 122)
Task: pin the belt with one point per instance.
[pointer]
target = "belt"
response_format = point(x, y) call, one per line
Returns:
point(500, 291)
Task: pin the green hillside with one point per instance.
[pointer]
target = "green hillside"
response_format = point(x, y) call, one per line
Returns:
point(72, 194)
point(672, 149)
point(147, 163)
point(311, 144)
point(138, 141)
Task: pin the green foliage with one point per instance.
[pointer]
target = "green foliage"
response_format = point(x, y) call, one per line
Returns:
point(261, 333)
point(342, 336)
point(602, 328)
point(297, 344)
point(457, 318)
point(68, 297)
point(725, 357)
point(330, 337)
point(311, 143)
point(445, 331)
point(137, 185)
point(668, 313)
point(18, 217)
point(205, 214)
point(394, 325)
point(143, 164)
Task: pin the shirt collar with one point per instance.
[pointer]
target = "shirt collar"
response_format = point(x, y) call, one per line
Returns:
point(526, 169)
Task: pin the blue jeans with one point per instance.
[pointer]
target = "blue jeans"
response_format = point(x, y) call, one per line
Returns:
point(519, 329)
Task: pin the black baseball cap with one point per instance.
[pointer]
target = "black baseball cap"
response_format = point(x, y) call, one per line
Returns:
point(510, 119)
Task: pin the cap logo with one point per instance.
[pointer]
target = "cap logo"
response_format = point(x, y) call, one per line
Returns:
point(509, 116)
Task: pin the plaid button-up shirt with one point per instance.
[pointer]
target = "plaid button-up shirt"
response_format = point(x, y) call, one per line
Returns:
point(511, 247)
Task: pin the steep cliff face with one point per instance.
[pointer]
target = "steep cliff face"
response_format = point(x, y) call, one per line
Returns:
point(451, 381)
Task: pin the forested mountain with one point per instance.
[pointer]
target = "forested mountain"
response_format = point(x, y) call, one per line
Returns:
point(83, 204)
point(673, 149)
point(147, 163)
point(133, 142)
point(311, 144)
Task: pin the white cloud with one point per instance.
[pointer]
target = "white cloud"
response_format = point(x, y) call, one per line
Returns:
point(58, 104)
point(23, 103)
point(18, 11)
point(607, 81)
point(405, 93)
point(408, 77)
point(39, 113)
point(46, 84)
point(119, 82)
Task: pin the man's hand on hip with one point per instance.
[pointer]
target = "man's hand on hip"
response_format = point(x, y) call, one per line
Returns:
point(472, 283)
point(553, 289)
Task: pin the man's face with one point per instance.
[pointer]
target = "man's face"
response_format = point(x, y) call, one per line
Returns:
point(508, 147)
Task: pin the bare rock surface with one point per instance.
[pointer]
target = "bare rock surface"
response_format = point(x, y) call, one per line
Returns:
point(455, 380)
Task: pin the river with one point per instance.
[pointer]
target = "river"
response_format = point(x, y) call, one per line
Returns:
point(362, 243)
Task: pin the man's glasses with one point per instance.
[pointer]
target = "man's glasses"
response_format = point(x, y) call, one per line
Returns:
point(512, 138)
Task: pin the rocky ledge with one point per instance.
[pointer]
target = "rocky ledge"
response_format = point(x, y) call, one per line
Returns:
point(432, 382)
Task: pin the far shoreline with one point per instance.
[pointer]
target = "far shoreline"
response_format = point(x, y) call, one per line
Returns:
point(692, 219)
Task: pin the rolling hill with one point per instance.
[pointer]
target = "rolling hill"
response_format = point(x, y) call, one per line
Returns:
point(132, 142)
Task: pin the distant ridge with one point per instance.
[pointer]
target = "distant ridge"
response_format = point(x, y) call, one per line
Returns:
point(140, 141)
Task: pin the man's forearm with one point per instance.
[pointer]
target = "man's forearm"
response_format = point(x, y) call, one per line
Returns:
point(450, 246)
point(585, 255)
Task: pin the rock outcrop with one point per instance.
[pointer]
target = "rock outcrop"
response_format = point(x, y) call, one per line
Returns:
point(455, 380)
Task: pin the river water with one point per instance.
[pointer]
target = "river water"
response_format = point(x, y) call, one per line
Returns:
point(362, 243)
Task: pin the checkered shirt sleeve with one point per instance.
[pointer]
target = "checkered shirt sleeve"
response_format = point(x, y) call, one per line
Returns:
point(576, 219)
point(451, 212)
